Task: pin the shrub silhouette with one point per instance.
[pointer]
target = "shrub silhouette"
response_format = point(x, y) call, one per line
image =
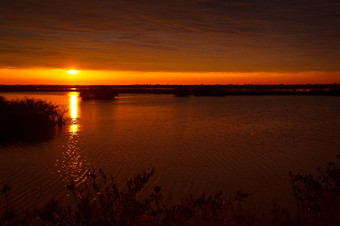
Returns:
point(319, 197)
point(28, 120)
point(98, 201)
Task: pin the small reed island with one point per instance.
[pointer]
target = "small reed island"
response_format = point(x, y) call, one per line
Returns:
point(99, 93)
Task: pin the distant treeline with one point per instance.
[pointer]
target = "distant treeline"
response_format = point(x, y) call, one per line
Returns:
point(187, 90)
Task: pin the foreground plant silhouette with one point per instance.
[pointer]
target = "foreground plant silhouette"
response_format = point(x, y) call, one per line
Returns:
point(28, 120)
point(318, 198)
point(99, 201)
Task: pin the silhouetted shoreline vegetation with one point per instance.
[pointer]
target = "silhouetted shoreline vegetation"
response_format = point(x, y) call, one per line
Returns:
point(99, 93)
point(186, 90)
point(28, 120)
point(98, 201)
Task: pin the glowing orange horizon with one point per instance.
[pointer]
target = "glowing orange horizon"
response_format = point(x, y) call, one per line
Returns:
point(93, 77)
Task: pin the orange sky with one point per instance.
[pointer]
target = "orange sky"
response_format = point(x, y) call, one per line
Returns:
point(90, 77)
point(169, 42)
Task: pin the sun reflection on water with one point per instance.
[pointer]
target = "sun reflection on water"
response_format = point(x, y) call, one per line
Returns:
point(74, 112)
point(74, 128)
point(72, 164)
point(74, 105)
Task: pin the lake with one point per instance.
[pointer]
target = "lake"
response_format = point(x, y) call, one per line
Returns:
point(196, 144)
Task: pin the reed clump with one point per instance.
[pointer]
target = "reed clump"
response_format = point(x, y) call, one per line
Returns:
point(28, 120)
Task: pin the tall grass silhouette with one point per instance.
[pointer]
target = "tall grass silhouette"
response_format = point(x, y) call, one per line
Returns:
point(28, 120)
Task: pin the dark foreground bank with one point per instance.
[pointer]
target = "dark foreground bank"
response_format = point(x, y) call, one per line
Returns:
point(98, 201)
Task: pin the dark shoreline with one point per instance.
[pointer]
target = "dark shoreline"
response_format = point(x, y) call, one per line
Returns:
point(187, 90)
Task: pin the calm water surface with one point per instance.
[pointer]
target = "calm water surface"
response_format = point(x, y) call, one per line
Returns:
point(196, 144)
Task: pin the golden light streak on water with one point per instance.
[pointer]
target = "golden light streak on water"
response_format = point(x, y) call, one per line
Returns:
point(73, 105)
point(72, 165)
point(74, 111)
point(74, 128)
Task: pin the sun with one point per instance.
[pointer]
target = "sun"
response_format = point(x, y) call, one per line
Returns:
point(73, 72)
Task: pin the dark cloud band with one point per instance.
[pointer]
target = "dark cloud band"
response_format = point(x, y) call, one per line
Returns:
point(201, 35)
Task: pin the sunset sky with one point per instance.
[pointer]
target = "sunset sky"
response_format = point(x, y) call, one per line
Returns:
point(169, 42)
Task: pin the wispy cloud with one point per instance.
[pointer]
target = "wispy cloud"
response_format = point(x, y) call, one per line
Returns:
point(186, 35)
